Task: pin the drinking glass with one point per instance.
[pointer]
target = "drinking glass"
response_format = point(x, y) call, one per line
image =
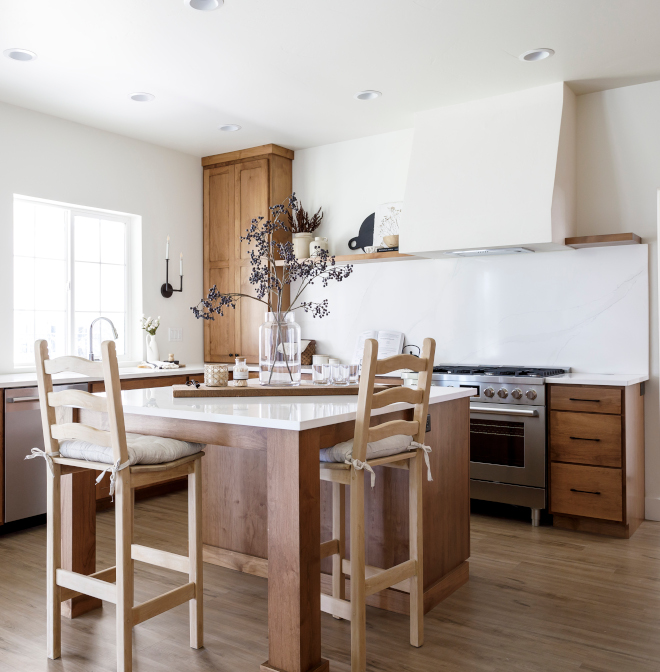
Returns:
point(320, 374)
point(353, 374)
point(341, 375)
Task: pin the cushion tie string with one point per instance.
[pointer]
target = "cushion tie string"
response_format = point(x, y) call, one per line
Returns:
point(357, 465)
point(113, 469)
point(427, 450)
point(37, 452)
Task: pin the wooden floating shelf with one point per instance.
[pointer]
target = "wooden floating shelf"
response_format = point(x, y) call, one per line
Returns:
point(604, 241)
point(366, 258)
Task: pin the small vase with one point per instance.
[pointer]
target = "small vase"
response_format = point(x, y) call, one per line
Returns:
point(301, 243)
point(152, 349)
point(316, 245)
point(280, 350)
point(391, 241)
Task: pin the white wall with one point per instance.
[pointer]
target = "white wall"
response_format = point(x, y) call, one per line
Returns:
point(50, 158)
point(618, 181)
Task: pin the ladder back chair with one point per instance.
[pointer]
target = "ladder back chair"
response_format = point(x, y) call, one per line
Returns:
point(398, 444)
point(132, 460)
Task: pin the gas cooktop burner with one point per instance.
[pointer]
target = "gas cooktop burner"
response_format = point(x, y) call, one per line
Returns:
point(462, 370)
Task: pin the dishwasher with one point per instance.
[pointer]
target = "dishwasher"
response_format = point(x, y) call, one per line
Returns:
point(25, 480)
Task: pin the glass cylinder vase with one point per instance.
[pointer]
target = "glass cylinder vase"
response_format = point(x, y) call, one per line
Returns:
point(279, 350)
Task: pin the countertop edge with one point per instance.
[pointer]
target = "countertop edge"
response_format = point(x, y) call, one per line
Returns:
point(612, 380)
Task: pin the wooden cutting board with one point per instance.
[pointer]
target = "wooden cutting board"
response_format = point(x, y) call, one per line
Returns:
point(305, 389)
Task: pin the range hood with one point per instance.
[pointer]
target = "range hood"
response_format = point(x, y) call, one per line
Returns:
point(492, 174)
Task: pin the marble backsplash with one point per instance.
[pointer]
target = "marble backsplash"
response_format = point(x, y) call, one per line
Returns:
point(587, 309)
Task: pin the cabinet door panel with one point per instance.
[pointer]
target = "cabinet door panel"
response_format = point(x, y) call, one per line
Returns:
point(220, 200)
point(251, 315)
point(220, 332)
point(251, 198)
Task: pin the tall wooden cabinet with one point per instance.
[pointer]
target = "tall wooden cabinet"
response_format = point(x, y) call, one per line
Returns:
point(238, 187)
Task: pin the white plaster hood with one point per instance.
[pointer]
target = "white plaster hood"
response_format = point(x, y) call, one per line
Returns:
point(493, 173)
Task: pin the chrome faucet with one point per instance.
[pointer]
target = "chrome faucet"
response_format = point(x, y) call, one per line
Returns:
point(91, 343)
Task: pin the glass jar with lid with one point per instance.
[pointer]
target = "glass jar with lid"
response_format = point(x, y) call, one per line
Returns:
point(241, 372)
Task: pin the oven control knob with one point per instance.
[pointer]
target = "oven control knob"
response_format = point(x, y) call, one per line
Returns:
point(517, 393)
point(531, 394)
point(489, 392)
point(502, 393)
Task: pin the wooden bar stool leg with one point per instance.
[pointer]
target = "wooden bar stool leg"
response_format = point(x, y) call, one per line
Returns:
point(123, 540)
point(416, 550)
point(358, 598)
point(339, 532)
point(53, 563)
point(195, 555)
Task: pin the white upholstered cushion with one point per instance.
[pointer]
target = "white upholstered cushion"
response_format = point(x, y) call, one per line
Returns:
point(142, 449)
point(392, 445)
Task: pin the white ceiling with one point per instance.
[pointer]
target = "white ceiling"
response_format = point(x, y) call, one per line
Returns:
point(286, 70)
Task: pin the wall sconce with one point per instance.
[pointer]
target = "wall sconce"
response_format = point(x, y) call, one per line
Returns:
point(167, 290)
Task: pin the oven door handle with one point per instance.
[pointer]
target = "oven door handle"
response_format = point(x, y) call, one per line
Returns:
point(525, 412)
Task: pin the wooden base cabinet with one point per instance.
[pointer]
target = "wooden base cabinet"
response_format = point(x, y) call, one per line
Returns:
point(238, 187)
point(596, 453)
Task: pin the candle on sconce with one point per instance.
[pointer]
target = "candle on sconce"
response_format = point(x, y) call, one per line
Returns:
point(167, 248)
point(181, 264)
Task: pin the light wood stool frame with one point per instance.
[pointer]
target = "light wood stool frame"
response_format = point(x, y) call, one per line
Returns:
point(63, 584)
point(366, 580)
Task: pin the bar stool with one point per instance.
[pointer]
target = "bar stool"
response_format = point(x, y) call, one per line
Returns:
point(132, 460)
point(398, 444)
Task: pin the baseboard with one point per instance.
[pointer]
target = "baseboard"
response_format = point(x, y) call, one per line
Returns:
point(652, 508)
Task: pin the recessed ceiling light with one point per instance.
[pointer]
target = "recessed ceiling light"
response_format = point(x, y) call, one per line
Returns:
point(20, 54)
point(230, 127)
point(141, 97)
point(368, 95)
point(204, 5)
point(537, 54)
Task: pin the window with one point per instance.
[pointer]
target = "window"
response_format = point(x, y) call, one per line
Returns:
point(70, 267)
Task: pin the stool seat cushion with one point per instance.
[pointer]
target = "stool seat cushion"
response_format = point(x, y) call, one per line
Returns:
point(392, 445)
point(142, 449)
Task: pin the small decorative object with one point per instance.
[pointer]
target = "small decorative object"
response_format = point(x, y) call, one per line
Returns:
point(308, 350)
point(320, 359)
point(370, 249)
point(387, 227)
point(216, 375)
point(302, 227)
point(316, 245)
point(279, 336)
point(151, 327)
point(366, 235)
point(170, 357)
point(167, 290)
point(241, 370)
point(241, 382)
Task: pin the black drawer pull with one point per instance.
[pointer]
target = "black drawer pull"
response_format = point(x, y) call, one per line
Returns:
point(586, 492)
point(593, 401)
point(580, 438)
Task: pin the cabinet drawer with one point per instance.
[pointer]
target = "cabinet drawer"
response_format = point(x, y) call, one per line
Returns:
point(592, 492)
point(586, 438)
point(589, 399)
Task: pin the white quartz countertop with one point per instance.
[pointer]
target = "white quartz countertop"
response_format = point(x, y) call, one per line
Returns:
point(294, 413)
point(616, 379)
point(30, 379)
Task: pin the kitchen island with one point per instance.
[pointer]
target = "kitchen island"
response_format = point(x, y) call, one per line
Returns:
point(265, 512)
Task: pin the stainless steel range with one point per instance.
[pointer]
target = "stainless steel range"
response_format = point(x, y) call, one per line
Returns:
point(508, 438)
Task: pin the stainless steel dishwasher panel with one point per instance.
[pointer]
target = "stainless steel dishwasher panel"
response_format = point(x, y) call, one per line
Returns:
point(25, 480)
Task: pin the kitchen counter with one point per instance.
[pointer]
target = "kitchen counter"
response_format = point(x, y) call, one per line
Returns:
point(292, 413)
point(30, 379)
point(614, 379)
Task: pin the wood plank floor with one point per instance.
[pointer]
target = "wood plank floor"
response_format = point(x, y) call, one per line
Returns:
point(538, 599)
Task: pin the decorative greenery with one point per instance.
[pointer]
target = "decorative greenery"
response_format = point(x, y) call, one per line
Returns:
point(269, 281)
point(389, 225)
point(300, 221)
point(149, 325)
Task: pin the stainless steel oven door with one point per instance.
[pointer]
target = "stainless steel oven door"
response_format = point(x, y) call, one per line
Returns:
point(507, 444)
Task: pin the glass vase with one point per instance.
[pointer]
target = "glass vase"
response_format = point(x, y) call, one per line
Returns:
point(279, 350)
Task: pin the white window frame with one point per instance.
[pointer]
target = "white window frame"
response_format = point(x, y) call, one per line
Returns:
point(73, 211)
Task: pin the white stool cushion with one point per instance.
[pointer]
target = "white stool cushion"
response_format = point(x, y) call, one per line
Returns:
point(142, 449)
point(392, 445)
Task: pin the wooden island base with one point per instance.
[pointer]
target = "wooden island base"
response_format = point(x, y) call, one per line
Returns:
point(235, 530)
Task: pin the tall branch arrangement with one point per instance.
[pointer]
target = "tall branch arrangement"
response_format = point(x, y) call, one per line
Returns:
point(268, 280)
point(301, 222)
